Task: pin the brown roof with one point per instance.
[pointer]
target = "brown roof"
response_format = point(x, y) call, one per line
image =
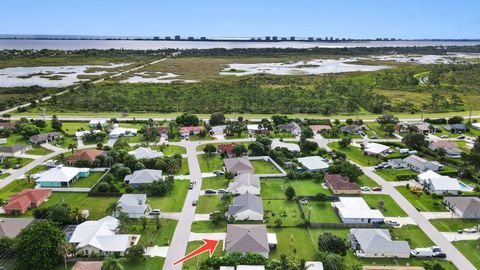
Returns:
point(87, 154)
point(227, 148)
point(444, 145)
point(26, 197)
point(317, 128)
point(340, 182)
point(87, 265)
point(7, 124)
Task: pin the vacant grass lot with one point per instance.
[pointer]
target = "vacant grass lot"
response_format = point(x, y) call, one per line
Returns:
point(274, 188)
point(216, 182)
point(148, 263)
point(38, 150)
point(263, 167)
point(71, 127)
point(207, 204)
point(321, 212)
point(151, 235)
point(454, 224)
point(169, 150)
point(355, 154)
point(208, 227)
point(210, 163)
point(88, 181)
point(364, 180)
point(469, 249)
point(413, 234)
point(172, 201)
point(184, 170)
point(195, 262)
point(391, 174)
point(286, 211)
point(390, 209)
point(423, 202)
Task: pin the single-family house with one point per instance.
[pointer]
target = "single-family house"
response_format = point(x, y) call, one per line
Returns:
point(443, 185)
point(100, 237)
point(340, 184)
point(377, 243)
point(218, 130)
point(313, 164)
point(226, 149)
point(456, 128)
point(160, 131)
point(145, 152)
point(118, 131)
point(7, 125)
point(292, 147)
point(420, 165)
point(246, 207)
point(14, 150)
point(396, 163)
point(250, 267)
point(245, 183)
point(94, 123)
point(87, 265)
point(134, 205)
point(11, 227)
point(292, 127)
point(61, 176)
point(26, 199)
point(238, 165)
point(352, 129)
point(255, 128)
point(424, 128)
point(476, 126)
point(354, 210)
point(464, 207)
point(425, 177)
point(187, 131)
point(44, 137)
point(142, 177)
point(247, 238)
point(451, 149)
point(81, 133)
point(86, 154)
point(310, 265)
point(319, 128)
point(376, 149)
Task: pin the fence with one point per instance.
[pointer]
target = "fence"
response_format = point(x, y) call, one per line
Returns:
point(282, 173)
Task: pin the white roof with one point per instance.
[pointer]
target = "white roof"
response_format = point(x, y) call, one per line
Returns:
point(376, 148)
point(96, 121)
point(477, 125)
point(428, 175)
point(445, 183)
point(313, 163)
point(122, 131)
point(144, 176)
point(144, 152)
point(227, 267)
point(84, 132)
point(133, 203)
point(218, 130)
point(250, 267)
point(314, 265)
point(290, 146)
point(356, 207)
point(252, 127)
point(100, 234)
point(272, 238)
point(60, 174)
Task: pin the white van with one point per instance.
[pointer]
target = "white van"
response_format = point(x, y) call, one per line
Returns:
point(422, 252)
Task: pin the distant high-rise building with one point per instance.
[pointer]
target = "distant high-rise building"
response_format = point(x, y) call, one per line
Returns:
point(203, 38)
point(310, 39)
point(292, 38)
point(168, 38)
point(191, 38)
point(267, 38)
point(177, 37)
point(156, 38)
point(274, 38)
point(284, 39)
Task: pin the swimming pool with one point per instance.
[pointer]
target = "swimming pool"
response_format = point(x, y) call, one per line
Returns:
point(465, 187)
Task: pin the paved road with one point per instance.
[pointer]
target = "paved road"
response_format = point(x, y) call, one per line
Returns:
point(178, 246)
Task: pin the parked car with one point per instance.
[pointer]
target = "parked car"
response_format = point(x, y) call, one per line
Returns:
point(210, 191)
point(392, 223)
point(218, 173)
point(194, 203)
point(222, 190)
point(418, 209)
point(444, 137)
point(470, 230)
point(377, 189)
point(365, 189)
point(440, 255)
point(378, 167)
point(155, 212)
point(373, 137)
point(190, 186)
point(422, 252)
point(461, 137)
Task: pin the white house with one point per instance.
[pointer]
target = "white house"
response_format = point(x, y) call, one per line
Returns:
point(61, 176)
point(81, 133)
point(94, 123)
point(313, 164)
point(246, 207)
point(245, 183)
point(118, 131)
point(134, 205)
point(254, 128)
point(420, 165)
point(144, 152)
point(425, 177)
point(377, 243)
point(142, 177)
point(443, 185)
point(376, 149)
point(292, 147)
point(476, 126)
point(99, 237)
point(354, 210)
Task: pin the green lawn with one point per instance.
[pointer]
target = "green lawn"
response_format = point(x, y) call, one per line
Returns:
point(71, 127)
point(286, 211)
point(390, 174)
point(210, 163)
point(169, 150)
point(38, 150)
point(378, 130)
point(16, 138)
point(207, 204)
point(17, 161)
point(413, 234)
point(454, 224)
point(274, 188)
point(195, 262)
point(390, 209)
point(423, 202)
point(321, 212)
point(199, 138)
point(208, 226)
point(148, 263)
point(4, 175)
point(469, 249)
point(244, 135)
point(152, 236)
point(65, 141)
point(364, 180)
point(14, 187)
point(355, 154)
point(263, 167)
point(172, 202)
point(215, 182)
point(37, 169)
point(88, 181)
point(183, 168)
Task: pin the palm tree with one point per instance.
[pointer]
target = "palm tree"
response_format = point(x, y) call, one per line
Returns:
point(124, 222)
point(112, 263)
point(72, 147)
point(64, 249)
point(61, 158)
point(114, 208)
point(283, 263)
point(300, 265)
point(77, 215)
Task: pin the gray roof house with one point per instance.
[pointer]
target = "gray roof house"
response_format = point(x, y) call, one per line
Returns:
point(351, 129)
point(134, 205)
point(455, 128)
point(11, 227)
point(377, 243)
point(238, 165)
point(247, 238)
point(246, 207)
point(465, 207)
point(14, 150)
point(142, 177)
point(245, 183)
point(420, 165)
point(44, 137)
point(293, 127)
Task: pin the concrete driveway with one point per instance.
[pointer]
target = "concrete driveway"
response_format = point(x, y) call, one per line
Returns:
point(436, 215)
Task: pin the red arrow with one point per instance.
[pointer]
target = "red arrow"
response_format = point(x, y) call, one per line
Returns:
point(209, 245)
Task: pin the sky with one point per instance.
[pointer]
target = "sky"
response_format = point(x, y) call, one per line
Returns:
point(245, 18)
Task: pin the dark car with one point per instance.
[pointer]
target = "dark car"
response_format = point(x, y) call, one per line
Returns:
point(194, 202)
point(440, 255)
point(190, 186)
point(210, 191)
point(418, 209)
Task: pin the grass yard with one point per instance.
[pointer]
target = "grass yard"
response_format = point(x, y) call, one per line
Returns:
point(469, 249)
point(210, 163)
point(215, 182)
point(355, 154)
point(193, 138)
point(413, 234)
point(15, 138)
point(235, 136)
point(169, 150)
point(148, 263)
point(207, 204)
point(364, 180)
point(88, 181)
point(390, 209)
point(274, 188)
point(321, 212)
point(71, 127)
point(391, 174)
point(454, 224)
point(195, 262)
point(10, 162)
point(151, 236)
point(286, 211)
point(378, 130)
point(263, 167)
point(38, 150)
point(172, 202)
point(37, 169)
point(208, 227)
point(14, 187)
point(423, 202)
point(4, 175)
point(65, 141)
point(184, 170)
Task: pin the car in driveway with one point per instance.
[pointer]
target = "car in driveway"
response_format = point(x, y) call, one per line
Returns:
point(194, 203)
point(461, 137)
point(365, 189)
point(155, 212)
point(218, 173)
point(222, 190)
point(444, 137)
point(377, 189)
point(190, 186)
point(210, 191)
